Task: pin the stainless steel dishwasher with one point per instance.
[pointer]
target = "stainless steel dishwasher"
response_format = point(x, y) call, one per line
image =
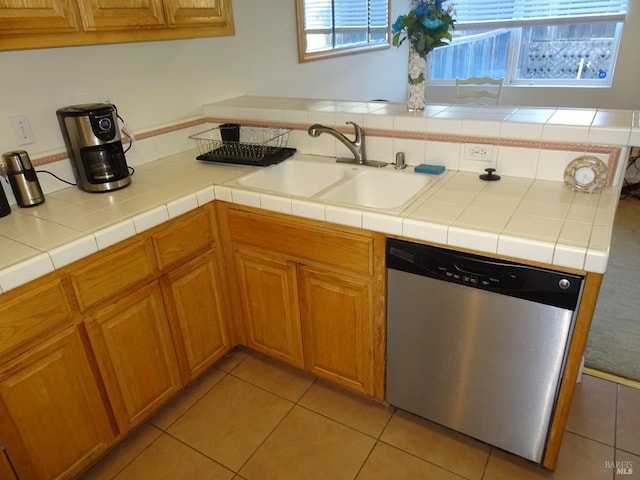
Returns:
point(478, 344)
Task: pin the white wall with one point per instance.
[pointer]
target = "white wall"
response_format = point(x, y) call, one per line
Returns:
point(162, 82)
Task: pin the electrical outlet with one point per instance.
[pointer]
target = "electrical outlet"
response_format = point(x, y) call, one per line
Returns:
point(22, 129)
point(478, 151)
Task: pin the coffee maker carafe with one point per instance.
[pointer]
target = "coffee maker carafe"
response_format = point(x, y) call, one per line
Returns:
point(93, 141)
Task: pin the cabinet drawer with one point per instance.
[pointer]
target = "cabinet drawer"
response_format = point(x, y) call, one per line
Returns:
point(112, 272)
point(30, 312)
point(187, 236)
point(303, 240)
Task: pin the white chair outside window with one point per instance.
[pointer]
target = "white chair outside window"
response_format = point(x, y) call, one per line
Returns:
point(479, 90)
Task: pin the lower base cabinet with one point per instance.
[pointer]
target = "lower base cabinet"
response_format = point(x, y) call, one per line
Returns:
point(53, 419)
point(132, 343)
point(337, 327)
point(196, 310)
point(269, 298)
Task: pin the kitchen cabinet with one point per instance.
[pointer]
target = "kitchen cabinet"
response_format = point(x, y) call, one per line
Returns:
point(93, 349)
point(53, 419)
point(196, 309)
point(55, 23)
point(132, 344)
point(269, 298)
point(309, 293)
point(6, 470)
point(338, 327)
point(29, 17)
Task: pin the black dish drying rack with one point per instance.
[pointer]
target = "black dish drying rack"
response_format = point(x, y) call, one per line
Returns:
point(242, 145)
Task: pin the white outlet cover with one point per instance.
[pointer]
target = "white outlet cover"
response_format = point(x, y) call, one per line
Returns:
point(478, 151)
point(22, 129)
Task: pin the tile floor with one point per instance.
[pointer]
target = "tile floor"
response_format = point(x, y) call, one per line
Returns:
point(250, 418)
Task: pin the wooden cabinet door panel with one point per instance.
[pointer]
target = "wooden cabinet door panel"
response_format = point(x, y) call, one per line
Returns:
point(186, 13)
point(337, 328)
point(21, 17)
point(112, 272)
point(135, 354)
point(197, 313)
point(269, 297)
point(185, 238)
point(110, 15)
point(52, 417)
point(29, 313)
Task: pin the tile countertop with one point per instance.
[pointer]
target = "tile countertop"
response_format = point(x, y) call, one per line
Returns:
point(531, 219)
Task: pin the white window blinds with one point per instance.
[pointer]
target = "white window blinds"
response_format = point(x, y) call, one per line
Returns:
point(510, 13)
point(325, 15)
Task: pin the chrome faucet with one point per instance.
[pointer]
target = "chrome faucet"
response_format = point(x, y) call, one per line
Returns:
point(357, 146)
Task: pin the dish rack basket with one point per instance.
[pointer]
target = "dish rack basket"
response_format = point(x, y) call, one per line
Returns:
point(238, 144)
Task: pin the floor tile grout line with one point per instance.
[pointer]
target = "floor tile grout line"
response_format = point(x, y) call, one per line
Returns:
point(293, 405)
point(200, 452)
point(133, 459)
point(200, 397)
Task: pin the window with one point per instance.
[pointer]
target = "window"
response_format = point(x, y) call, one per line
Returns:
point(533, 42)
point(336, 27)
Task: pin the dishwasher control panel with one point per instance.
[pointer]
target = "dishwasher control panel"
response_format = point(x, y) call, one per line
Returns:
point(508, 278)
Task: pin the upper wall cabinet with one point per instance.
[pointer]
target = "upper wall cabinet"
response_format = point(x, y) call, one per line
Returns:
point(28, 24)
point(109, 15)
point(27, 17)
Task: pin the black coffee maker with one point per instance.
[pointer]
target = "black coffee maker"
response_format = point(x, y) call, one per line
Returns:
point(93, 141)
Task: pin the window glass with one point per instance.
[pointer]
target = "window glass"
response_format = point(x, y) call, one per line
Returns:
point(335, 27)
point(537, 42)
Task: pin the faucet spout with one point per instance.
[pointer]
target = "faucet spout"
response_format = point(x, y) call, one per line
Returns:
point(357, 146)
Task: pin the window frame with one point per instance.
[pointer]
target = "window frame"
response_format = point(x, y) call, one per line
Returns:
point(305, 56)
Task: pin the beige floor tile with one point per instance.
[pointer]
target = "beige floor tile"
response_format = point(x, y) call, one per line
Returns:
point(389, 463)
point(187, 398)
point(348, 408)
point(232, 359)
point(274, 376)
point(118, 458)
point(230, 421)
point(168, 459)
point(593, 410)
point(311, 447)
point(437, 445)
point(580, 459)
point(627, 466)
point(628, 422)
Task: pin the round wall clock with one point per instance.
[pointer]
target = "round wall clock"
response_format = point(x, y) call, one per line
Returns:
point(586, 174)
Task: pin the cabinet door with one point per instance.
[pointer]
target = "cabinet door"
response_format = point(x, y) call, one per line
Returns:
point(269, 297)
point(193, 13)
point(337, 324)
point(18, 17)
point(110, 15)
point(135, 354)
point(52, 417)
point(194, 298)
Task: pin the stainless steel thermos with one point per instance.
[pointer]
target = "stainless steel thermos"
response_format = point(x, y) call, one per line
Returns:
point(23, 179)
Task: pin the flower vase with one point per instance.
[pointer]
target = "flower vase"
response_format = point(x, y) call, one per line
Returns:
point(415, 94)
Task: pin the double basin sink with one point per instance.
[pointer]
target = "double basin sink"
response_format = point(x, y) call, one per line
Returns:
point(342, 183)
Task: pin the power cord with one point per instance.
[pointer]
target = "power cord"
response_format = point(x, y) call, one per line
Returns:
point(57, 177)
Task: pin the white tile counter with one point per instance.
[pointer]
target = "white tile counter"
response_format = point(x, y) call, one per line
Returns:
point(530, 214)
point(524, 218)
